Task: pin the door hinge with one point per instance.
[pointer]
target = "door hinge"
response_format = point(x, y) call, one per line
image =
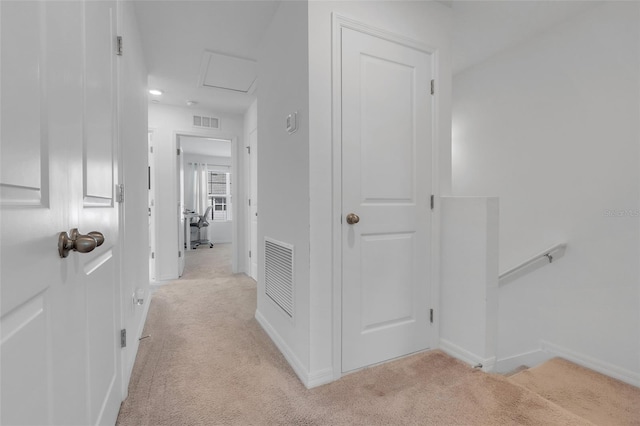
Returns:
point(151, 149)
point(249, 253)
point(123, 338)
point(249, 201)
point(179, 254)
point(249, 150)
point(153, 254)
point(177, 151)
point(120, 193)
point(119, 45)
point(433, 201)
point(433, 87)
point(431, 315)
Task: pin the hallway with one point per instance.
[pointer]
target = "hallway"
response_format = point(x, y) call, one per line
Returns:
point(208, 362)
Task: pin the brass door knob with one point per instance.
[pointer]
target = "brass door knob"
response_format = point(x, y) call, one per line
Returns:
point(353, 218)
point(78, 242)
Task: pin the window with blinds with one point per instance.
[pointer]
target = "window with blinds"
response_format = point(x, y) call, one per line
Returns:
point(219, 188)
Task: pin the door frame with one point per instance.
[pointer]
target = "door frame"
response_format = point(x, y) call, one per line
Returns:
point(338, 23)
point(151, 195)
point(235, 243)
point(249, 173)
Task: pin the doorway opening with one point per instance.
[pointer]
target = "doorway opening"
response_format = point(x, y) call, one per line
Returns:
point(206, 193)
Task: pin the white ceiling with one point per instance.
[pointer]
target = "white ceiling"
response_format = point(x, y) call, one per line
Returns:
point(483, 28)
point(205, 146)
point(176, 34)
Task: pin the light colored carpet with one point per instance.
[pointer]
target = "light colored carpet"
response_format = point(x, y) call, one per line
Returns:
point(208, 362)
point(598, 398)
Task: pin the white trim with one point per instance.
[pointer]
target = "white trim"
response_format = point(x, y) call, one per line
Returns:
point(310, 379)
point(336, 184)
point(291, 357)
point(528, 359)
point(153, 236)
point(488, 364)
point(435, 213)
point(603, 367)
point(320, 377)
point(128, 369)
point(338, 22)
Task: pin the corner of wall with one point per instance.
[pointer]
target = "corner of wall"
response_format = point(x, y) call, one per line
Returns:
point(295, 363)
point(469, 279)
point(283, 174)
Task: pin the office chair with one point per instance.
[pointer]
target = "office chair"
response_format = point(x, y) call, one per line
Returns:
point(201, 223)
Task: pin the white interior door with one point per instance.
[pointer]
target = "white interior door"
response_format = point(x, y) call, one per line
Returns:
point(94, 161)
point(386, 181)
point(253, 209)
point(59, 316)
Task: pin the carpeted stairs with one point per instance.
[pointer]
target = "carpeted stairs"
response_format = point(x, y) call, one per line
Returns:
point(208, 362)
point(586, 393)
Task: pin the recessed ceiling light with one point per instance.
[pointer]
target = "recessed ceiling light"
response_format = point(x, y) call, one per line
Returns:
point(156, 92)
point(192, 103)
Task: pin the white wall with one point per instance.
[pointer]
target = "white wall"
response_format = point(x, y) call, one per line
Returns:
point(426, 22)
point(167, 122)
point(283, 173)
point(551, 127)
point(469, 279)
point(134, 228)
point(295, 171)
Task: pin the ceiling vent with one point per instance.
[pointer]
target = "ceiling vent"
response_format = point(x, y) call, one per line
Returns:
point(278, 276)
point(206, 122)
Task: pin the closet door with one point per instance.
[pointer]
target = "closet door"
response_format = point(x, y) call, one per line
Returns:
point(386, 182)
point(59, 316)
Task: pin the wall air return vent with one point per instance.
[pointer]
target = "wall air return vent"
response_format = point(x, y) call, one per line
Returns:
point(279, 274)
point(206, 122)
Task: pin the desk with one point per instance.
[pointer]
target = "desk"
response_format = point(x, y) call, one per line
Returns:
point(187, 228)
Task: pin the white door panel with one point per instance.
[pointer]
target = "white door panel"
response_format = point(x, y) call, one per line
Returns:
point(59, 317)
point(32, 213)
point(24, 365)
point(386, 181)
point(99, 102)
point(98, 212)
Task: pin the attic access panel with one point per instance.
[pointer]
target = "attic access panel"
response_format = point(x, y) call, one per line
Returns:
point(228, 72)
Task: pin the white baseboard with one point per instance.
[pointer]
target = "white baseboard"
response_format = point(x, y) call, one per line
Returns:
point(309, 379)
point(128, 368)
point(530, 359)
point(603, 367)
point(319, 378)
point(464, 355)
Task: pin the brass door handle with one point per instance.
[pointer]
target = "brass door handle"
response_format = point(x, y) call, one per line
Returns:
point(353, 218)
point(78, 242)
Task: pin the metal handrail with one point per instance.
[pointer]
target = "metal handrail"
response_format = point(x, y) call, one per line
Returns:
point(534, 262)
